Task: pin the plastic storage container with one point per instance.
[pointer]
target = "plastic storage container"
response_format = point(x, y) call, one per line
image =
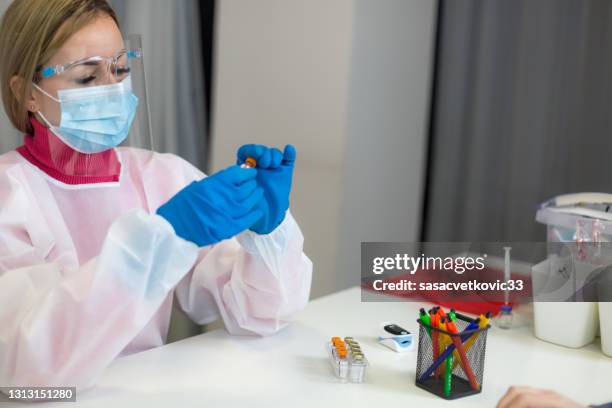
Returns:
point(575, 217)
point(579, 234)
point(550, 318)
point(475, 353)
point(605, 316)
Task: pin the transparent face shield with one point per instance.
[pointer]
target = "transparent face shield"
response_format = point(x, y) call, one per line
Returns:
point(140, 133)
point(92, 104)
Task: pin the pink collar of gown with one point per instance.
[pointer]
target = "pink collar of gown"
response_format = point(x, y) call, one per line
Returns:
point(47, 152)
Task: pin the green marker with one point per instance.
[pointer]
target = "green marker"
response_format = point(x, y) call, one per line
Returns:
point(448, 375)
point(426, 320)
point(453, 315)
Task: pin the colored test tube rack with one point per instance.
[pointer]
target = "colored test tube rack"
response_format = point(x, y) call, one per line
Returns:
point(347, 359)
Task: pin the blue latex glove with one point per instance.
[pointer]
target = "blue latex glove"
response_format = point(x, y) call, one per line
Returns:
point(216, 207)
point(274, 174)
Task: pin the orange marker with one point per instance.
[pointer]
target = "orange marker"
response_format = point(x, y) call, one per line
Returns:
point(470, 342)
point(464, 360)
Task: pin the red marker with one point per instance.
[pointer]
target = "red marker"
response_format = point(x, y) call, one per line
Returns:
point(435, 319)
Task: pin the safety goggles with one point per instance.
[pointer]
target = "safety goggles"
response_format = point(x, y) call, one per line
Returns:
point(95, 70)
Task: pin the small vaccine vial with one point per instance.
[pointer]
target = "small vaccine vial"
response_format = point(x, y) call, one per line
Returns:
point(504, 319)
point(249, 163)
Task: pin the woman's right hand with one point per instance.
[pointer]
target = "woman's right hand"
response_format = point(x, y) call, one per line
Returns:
point(215, 208)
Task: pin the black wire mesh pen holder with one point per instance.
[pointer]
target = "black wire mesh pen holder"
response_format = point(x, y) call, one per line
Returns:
point(462, 384)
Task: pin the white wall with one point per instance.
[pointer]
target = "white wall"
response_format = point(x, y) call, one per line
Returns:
point(338, 79)
point(389, 99)
point(281, 77)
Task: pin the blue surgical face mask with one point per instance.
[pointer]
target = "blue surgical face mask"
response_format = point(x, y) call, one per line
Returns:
point(94, 119)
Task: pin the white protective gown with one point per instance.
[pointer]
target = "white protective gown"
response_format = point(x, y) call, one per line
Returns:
point(89, 273)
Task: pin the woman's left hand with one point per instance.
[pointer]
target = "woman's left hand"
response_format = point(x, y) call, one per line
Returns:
point(274, 175)
point(527, 397)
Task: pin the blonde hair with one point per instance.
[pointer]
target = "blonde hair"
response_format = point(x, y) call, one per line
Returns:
point(31, 32)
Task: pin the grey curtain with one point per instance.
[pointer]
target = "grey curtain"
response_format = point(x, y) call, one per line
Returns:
point(9, 137)
point(173, 56)
point(522, 113)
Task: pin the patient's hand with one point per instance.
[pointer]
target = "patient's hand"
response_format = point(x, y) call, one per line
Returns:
point(527, 397)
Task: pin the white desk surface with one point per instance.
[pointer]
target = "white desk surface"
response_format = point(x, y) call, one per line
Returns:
point(291, 369)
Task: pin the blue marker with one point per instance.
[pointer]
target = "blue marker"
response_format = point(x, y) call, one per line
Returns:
point(442, 357)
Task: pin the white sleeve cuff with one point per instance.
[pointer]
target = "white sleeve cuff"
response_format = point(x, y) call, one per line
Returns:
point(276, 240)
point(143, 248)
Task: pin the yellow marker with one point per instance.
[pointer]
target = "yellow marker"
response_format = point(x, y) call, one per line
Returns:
point(445, 341)
point(483, 322)
point(485, 319)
